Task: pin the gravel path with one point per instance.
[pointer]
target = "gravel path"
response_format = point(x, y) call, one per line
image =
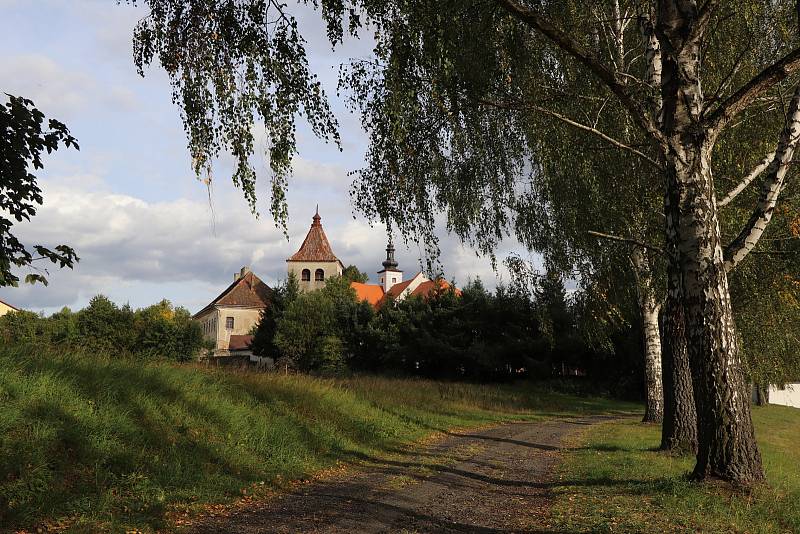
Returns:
point(495, 480)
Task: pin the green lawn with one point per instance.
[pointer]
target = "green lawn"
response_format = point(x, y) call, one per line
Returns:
point(613, 481)
point(98, 444)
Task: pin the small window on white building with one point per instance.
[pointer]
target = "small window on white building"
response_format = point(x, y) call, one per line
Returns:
point(229, 323)
point(394, 280)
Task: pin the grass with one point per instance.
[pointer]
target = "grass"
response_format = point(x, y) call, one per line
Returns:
point(92, 444)
point(614, 481)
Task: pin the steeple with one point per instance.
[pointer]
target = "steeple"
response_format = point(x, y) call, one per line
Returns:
point(315, 220)
point(390, 264)
point(390, 274)
point(314, 262)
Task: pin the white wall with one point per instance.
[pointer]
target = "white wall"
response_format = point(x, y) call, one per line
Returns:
point(789, 396)
point(387, 279)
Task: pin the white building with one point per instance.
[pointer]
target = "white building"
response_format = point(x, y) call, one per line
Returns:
point(789, 395)
point(392, 286)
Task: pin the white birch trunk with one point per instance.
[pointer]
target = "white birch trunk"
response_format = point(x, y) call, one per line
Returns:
point(651, 340)
point(652, 362)
point(726, 440)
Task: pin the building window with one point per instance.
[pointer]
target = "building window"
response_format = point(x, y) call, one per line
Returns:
point(319, 275)
point(394, 281)
point(305, 276)
point(229, 323)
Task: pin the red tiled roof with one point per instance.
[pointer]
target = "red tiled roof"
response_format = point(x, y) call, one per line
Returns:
point(240, 342)
point(369, 292)
point(316, 246)
point(9, 305)
point(425, 290)
point(394, 292)
point(431, 287)
point(396, 289)
point(246, 292)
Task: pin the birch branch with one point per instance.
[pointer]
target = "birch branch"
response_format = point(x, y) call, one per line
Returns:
point(747, 239)
point(627, 240)
point(757, 86)
point(701, 23)
point(590, 61)
point(755, 173)
point(575, 124)
point(597, 133)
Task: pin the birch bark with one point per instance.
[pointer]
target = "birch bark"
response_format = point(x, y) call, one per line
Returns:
point(726, 439)
point(679, 429)
point(651, 339)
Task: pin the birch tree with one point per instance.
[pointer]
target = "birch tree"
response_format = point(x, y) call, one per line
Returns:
point(453, 99)
point(680, 142)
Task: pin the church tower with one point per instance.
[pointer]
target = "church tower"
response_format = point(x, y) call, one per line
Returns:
point(315, 262)
point(390, 274)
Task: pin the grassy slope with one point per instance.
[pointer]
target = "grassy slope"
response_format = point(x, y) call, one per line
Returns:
point(614, 482)
point(102, 444)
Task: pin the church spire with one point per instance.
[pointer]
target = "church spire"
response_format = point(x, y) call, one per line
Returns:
point(390, 264)
point(316, 218)
point(390, 275)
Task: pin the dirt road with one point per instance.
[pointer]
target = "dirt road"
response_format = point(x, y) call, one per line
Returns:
point(496, 480)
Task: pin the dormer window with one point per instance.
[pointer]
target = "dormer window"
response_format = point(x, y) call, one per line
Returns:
point(319, 275)
point(305, 276)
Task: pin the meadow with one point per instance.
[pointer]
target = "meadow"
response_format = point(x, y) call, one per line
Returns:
point(90, 443)
point(613, 480)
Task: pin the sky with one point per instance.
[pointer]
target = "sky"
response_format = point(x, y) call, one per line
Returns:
point(128, 201)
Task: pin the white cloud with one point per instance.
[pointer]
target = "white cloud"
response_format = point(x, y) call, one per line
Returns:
point(61, 91)
point(161, 238)
point(127, 244)
point(57, 91)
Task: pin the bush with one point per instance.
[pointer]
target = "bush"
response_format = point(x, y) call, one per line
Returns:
point(160, 330)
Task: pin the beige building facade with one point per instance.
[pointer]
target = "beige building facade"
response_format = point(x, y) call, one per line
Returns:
point(228, 320)
point(6, 308)
point(221, 323)
point(312, 275)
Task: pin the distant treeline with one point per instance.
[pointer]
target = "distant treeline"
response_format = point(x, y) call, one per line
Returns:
point(160, 330)
point(478, 335)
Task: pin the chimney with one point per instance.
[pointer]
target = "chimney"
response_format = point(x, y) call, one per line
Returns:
point(242, 272)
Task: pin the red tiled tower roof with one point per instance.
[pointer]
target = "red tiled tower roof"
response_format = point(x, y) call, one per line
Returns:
point(316, 246)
